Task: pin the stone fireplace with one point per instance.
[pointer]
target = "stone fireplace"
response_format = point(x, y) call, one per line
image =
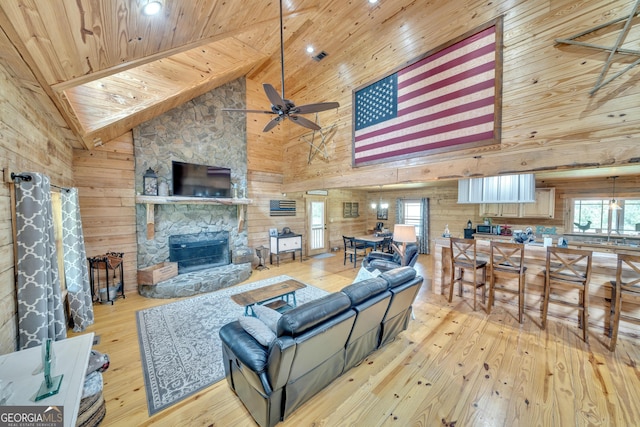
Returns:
point(196, 132)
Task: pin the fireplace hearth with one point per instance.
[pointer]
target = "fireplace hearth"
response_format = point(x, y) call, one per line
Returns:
point(199, 251)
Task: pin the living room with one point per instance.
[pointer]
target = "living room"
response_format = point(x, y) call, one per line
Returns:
point(550, 124)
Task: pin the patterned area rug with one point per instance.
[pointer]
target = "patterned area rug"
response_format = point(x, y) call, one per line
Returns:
point(179, 343)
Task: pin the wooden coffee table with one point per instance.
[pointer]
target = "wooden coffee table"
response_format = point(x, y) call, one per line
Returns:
point(283, 293)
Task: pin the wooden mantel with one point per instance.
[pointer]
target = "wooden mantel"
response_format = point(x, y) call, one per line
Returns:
point(151, 201)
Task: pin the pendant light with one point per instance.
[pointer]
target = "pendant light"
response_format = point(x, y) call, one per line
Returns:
point(613, 205)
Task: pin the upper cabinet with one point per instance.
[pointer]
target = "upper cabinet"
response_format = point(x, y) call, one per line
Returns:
point(543, 207)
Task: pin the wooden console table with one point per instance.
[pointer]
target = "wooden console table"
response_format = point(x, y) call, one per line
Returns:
point(71, 359)
point(283, 244)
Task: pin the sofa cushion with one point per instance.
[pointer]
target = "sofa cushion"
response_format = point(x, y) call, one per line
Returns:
point(298, 320)
point(268, 316)
point(398, 276)
point(361, 291)
point(257, 329)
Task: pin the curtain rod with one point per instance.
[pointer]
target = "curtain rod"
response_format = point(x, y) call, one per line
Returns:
point(28, 178)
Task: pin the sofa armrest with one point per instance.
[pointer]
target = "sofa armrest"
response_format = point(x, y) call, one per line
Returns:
point(380, 265)
point(247, 352)
point(380, 255)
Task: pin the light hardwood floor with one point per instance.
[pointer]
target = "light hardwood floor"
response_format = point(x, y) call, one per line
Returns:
point(451, 367)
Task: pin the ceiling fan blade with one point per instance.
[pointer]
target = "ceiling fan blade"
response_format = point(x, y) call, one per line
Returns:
point(275, 98)
point(304, 122)
point(238, 110)
point(315, 108)
point(272, 123)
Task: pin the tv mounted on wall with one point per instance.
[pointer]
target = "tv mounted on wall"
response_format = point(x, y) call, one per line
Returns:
point(200, 180)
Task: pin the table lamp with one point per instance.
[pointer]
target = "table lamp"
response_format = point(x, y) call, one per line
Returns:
point(403, 233)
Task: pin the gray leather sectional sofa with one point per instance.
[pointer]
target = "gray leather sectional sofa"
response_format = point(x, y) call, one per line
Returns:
point(315, 343)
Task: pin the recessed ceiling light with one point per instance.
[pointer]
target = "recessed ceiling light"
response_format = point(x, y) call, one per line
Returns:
point(152, 8)
point(373, 1)
point(309, 49)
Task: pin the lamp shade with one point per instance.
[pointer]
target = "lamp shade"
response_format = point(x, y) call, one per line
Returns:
point(404, 233)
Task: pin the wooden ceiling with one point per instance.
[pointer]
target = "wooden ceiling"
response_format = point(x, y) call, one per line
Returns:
point(107, 67)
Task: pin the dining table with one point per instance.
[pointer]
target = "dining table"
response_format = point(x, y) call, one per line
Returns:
point(369, 241)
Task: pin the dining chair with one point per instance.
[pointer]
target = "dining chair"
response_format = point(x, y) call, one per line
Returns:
point(568, 270)
point(464, 258)
point(352, 248)
point(507, 260)
point(625, 289)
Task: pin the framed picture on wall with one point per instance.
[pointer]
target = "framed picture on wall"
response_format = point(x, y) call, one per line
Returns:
point(383, 213)
point(273, 232)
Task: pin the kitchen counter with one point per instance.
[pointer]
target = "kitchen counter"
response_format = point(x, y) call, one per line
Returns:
point(603, 270)
point(605, 247)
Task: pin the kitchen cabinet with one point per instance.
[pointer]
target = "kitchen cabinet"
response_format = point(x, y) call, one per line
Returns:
point(543, 207)
point(500, 210)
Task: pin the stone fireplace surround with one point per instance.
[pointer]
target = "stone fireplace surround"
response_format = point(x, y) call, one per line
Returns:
point(195, 132)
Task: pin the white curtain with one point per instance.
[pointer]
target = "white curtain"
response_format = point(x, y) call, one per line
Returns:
point(76, 272)
point(40, 306)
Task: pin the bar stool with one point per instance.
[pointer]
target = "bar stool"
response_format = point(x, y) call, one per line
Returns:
point(568, 269)
point(463, 257)
point(507, 259)
point(626, 288)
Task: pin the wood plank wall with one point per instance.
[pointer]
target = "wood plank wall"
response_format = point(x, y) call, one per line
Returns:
point(549, 119)
point(105, 180)
point(31, 140)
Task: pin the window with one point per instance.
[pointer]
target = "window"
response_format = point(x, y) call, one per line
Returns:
point(594, 216)
point(413, 214)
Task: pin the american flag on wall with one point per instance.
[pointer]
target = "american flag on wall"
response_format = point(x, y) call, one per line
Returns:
point(444, 101)
point(282, 208)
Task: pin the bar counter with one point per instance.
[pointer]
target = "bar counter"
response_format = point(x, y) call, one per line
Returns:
point(603, 271)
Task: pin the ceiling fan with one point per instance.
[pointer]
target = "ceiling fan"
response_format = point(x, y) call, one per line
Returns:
point(284, 108)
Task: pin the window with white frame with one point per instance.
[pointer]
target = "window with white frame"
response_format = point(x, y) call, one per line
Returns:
point(413, 214)
point(597, 216)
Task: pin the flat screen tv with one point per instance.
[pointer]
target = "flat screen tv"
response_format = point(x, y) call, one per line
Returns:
point(200, 180)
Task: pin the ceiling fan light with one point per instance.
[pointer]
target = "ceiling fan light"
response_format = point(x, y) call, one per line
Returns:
point(152, 8)
point(310, 49)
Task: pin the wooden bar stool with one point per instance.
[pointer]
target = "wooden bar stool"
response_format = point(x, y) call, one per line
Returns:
point(626, 288)
point(507, 259)
point(463, 258)
point(566, 270)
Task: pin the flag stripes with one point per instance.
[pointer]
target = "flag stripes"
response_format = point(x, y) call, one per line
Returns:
point(282, 208)
point(444, 100)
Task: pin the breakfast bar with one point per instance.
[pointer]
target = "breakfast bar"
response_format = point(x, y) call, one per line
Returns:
point(603, 271)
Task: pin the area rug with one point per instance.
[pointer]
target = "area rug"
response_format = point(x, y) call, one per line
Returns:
point(179, 343)
point(321, 256)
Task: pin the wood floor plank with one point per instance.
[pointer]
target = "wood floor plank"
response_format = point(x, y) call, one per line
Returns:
point(452, 365)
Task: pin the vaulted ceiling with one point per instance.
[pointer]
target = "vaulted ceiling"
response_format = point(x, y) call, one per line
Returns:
point(107, 67)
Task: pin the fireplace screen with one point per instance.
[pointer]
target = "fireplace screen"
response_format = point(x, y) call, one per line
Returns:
point(198, 251)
